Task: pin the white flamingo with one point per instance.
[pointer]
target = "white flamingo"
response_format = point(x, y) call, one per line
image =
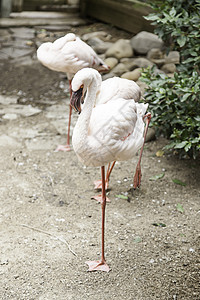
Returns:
point(104, 133)
point(69, 54)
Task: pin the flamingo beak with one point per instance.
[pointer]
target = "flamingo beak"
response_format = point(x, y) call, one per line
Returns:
point(76, 99)
point(104, 68)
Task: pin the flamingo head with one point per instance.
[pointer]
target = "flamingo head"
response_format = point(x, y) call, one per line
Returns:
point(81, 83)
point(102, 67)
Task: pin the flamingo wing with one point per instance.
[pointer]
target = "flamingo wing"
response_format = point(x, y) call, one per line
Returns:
point(116, 87)
point(116, 130)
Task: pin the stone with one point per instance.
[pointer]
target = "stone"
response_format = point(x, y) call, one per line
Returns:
point(10, 52)
point(151, 134)
point(156, 56)
point(155, 53)
point(8, 99)
point(23, 32)
point(132, 75)
point(10, 116)
point(145, 41)
point(158, 62)
point(120, 49)
point(23, 110)
point(172, 57)
point(111, 62)
point(129, 63)
point(98, 45)
point(169, 68)
point(119, 69)
point(142, 62)
point(143, 86)
point(99, 34)
point(7, 141)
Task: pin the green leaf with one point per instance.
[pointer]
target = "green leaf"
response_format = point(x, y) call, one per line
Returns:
point(137, 239)
point(181, 40)
point(181, 145)
point(156, 177)
point(185, 96)
point(159, 224)
point(122, 197)
point(179, 207)
point(177, 181)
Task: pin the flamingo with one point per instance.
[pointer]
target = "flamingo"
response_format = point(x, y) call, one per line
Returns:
point(69, 54)
point(112, 131)
point(111, 89)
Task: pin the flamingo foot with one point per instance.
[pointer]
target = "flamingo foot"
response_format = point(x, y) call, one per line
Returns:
point(98, 185)
point(137, 177)
point(99, 198)
point(98, 266)
point(63, 148)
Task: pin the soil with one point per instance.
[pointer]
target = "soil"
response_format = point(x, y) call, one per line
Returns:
point(50, 226)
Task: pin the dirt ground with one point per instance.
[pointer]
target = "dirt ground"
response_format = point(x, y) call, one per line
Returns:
point(50, 226)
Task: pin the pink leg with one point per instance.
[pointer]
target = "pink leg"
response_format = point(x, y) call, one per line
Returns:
point(67, 146)
point(138, 174)
point(101, 265)
point(97, 183)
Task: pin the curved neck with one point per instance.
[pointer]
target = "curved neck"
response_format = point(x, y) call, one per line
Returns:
point(82, 124)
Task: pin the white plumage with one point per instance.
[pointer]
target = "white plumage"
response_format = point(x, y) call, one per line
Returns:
point(69, 54)
point(113, 130)
point(116, 87)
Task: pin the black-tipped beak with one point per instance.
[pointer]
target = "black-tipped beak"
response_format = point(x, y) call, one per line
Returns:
point(76, 99)
point(103, 68)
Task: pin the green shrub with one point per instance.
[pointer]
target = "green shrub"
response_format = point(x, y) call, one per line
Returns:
point(175, 101)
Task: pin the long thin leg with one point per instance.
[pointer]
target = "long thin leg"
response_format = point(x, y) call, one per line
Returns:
point(67, 146)
point(101, 265)
point(97, 183)
point(138, 174)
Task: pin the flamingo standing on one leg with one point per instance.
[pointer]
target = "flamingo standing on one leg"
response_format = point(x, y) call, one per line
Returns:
point(108, 132)
point(69, 54)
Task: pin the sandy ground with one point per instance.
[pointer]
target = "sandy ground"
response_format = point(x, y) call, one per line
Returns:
point(50, 226)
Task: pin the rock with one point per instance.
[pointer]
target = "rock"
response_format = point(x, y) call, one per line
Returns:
point(151, 134)
point(172, 57)
point(169, 68)
point(129, 63)
point(143, 86)
point(7, 141)
point(10, 116)
point(132, 75)
point(120, 49)
point(91, 35)
point(23, 32)
point(23, 110)
point(133, 63)
point(119, 69)
point(142, 62)
point(10, 52)
point(111, 62)
point(8, 99)
point(98, 45)
point(145, 41)
point(156, 56)
point(155, 53)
